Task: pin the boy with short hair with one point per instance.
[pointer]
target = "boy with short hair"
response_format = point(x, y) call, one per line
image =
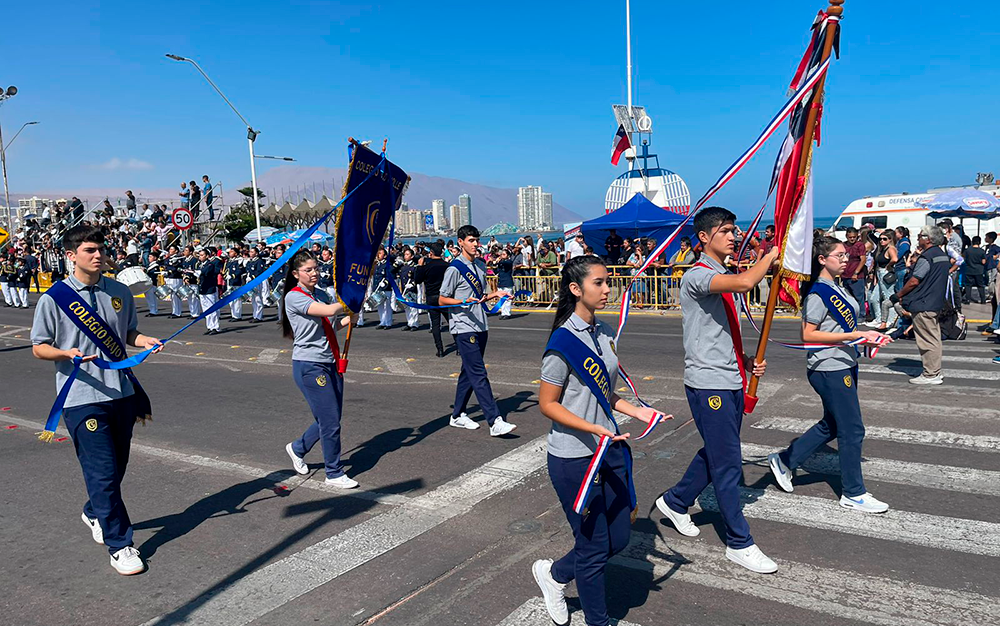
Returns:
point(464, 283)
point(102, 405)
point(715, 373)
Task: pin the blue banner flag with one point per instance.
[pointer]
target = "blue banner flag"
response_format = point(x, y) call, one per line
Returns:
point(362, 222)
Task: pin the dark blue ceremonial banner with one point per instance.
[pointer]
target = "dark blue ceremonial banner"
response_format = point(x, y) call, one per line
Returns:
point(362, 222)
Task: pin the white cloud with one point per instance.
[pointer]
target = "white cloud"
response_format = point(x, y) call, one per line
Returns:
point(130, 164)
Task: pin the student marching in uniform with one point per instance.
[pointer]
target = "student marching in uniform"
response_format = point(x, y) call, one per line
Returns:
point(154, 269)
point(408, 287)
point(234, 271)
point(189, 264)
point(208, 287)
point(326, 273)
point(315, 365)
point(579, 403)
point(7, 278)
point(464, 283)
point(22, 280)
point(174, 278)
point(715, 372)
point(255, 267)
point(380, 283)
point(102, 406)
point(829, 315)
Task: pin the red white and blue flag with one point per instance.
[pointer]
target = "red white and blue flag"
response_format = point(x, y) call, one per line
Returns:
point(620, 144)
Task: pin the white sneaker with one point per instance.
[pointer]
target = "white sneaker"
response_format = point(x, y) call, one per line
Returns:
point(127, 562)
point(552, 592)
point(681, 521)
point(463, 421)
point(753, 559)
point(343, 482)
point(927, 380)
point(95, 528)
point(866, 503)
point(782, 474)
point(297, 462)
point(501, 427)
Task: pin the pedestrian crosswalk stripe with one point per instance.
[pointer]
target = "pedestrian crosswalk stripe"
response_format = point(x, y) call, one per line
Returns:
point(912, 408)
point(915, 370)
point(899, 435)
point(843, 594)
point(931, 531)
point(533, 613)
point(944, 477)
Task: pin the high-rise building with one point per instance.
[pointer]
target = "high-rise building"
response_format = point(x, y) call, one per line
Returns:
point(455, 217)
point(534, 209)
point(440, 217)
point(465, 209)
point(410, 222)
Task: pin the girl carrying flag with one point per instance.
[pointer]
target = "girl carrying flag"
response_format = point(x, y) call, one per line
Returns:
point(829, 315)
point(315, 364)
point(579, 373)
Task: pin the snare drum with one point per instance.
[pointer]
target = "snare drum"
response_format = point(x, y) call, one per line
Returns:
point(164, 293)
point(277, 291)
point(185, 292)
point(136, 279)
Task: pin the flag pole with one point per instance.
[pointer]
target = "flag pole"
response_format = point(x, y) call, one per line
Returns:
point(772, 299)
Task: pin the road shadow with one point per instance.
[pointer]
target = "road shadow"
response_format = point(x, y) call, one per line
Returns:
point(630, 585)
point(366, 455)
point(334, 509)
point(15, 348)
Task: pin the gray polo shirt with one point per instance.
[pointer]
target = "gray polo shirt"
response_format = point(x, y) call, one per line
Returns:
point(54, 327)
point(576, 397)
point(815, 312)
point(709, 359)
point(310, 340)
point(467, 319)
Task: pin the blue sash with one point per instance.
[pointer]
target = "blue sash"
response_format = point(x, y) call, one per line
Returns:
point(101, 333)
point(590, 368)
point(838, 308)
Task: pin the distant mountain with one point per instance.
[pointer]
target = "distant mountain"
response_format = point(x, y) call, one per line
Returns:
point(490, 205)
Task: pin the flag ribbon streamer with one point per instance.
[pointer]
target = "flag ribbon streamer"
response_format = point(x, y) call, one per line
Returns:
point(140, 357)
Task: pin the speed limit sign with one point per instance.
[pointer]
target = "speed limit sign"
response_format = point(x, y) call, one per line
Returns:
point(181, 218)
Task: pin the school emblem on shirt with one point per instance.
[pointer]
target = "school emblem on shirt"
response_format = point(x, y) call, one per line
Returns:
point(613, 349)
point(117, 303)
point(715, 402)
point(91, 425)
point(848, 381)
point(321, 380)
point(472, 340)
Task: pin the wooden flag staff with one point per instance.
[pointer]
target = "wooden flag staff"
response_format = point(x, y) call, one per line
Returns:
point(834, 10)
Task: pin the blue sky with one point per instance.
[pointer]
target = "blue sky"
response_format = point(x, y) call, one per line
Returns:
point(506, 94)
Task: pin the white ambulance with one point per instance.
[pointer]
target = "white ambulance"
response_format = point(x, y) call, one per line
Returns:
point(890, 211)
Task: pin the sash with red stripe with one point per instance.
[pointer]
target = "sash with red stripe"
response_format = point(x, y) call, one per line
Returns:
point(331, 335)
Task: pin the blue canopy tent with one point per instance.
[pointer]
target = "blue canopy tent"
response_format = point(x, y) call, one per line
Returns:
point(636, 218)
point(963, 204)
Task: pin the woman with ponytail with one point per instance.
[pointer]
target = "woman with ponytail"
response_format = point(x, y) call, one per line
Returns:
point(579, 373)
point(829, 315)
point(315, 364)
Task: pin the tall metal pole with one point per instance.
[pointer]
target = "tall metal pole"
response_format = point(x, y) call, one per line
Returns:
point(6, 192)
point(251, 135)
point(628, 54)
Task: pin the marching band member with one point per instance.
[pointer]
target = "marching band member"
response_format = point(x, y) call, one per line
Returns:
point(464, 282)
point(276, 253)
point(189, 265)
point(315, 365)
point(208, 287)
point(326, 274)
point(579, 404)
point(174, 278)
point(102, 406)
point(830, 315)
point(715, 370)
point(409, 289)
point(153, 269)
point(22, 281)
point(234, 271)
point(7, 275)
point(430, 274)
point(380, 282)
point(255, 267)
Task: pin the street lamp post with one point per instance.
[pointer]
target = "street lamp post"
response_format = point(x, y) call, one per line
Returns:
point(251, 135)
point(10, 92)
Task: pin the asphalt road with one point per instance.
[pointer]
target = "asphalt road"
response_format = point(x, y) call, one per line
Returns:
point(449, 521)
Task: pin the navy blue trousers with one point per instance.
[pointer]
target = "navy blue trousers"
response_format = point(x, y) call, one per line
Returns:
point(102, 435)
point(718, 414)
point(323, 388)
point(599, 535)
point(841, 421)
point(472, 347)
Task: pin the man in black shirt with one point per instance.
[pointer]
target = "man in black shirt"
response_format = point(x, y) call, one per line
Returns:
point(430, 272)
point(975, 271)
point(614, 244)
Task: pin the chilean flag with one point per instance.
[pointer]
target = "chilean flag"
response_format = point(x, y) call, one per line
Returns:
point(620, 144)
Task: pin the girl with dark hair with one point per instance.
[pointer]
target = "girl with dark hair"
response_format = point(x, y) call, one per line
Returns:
point(829, 315)
point(884, 281)
point(315, 364)
point(579, 372)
